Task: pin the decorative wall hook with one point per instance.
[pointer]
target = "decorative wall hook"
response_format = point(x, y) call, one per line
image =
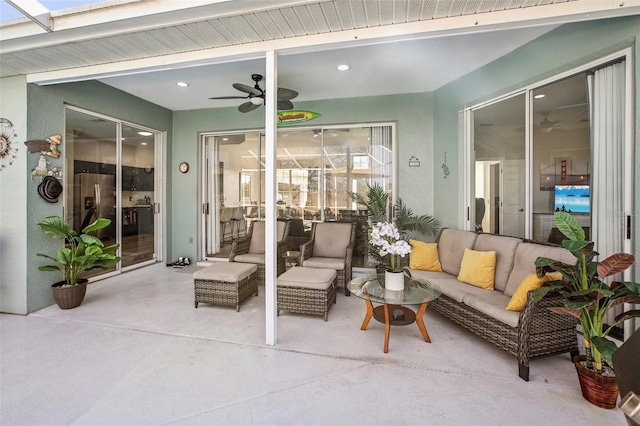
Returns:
point(444, 166)
point(414, 162)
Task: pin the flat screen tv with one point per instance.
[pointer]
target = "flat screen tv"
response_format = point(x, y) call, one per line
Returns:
point(572, 198)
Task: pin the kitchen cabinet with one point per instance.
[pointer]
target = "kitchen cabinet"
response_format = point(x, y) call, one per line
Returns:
point(145, 180)
point(145, 219)
point(137, 220)
point(136, 179)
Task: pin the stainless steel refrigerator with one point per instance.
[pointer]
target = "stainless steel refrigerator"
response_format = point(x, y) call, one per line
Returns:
point(95, 196)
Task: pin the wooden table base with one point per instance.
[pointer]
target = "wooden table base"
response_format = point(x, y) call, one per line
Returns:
point(395, 315)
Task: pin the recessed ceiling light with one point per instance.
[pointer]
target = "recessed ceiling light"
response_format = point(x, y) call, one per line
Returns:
point(182, 84)
point(145, 133)
point(540, 96)
point(225, 139)
point(343, 67)
point(143, 143)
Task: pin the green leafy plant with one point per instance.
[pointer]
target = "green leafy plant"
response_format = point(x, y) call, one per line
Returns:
point(410, 225)
point(376, 202)
point(81, 253)
point(585, 293)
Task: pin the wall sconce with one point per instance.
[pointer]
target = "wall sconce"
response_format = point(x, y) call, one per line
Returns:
point(414, 162)
point(444, 166)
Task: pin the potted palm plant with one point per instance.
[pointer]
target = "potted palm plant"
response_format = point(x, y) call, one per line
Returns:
point(588, 297)
point(82, 252)
point(377, 202)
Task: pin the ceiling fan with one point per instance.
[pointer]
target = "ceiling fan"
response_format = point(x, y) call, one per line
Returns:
point(547, 125)
point(255, 96)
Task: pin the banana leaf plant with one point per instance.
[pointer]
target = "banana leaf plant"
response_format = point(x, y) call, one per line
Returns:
point(585, 293)
point(82, 252)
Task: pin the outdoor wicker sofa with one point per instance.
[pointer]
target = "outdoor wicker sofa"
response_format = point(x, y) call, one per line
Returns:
point(535, 331)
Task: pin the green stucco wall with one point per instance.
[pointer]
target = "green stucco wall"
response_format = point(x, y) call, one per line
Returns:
point(13, 198)
point(412, 114)
point(45, 117)
point(561, 50)
point(566, 48)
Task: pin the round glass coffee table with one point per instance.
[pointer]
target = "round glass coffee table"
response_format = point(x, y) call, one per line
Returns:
point(392, 310)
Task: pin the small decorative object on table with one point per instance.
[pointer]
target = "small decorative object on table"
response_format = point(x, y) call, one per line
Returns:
point(392, 249)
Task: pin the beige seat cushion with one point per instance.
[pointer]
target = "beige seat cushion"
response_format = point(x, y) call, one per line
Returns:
point(324, 262)
point(430, 275)
point(505, 248)
point(332, 239)
point(312, 278)
point(456, 290)
point(250, 258)
point(524, 262)
point(493, 304)
point(256, 245)
point(451, 245)
point(229, 272)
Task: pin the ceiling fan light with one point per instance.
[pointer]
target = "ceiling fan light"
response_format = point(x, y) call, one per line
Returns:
point(256, 101)
point(546, 129)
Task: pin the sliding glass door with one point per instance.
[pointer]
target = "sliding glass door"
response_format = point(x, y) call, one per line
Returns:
point(138, 195)
point(316, 170)
point(499, 147)
point(110, 167)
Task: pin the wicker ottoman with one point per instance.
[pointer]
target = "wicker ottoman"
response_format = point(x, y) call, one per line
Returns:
point(225, 283)
point(307, 291)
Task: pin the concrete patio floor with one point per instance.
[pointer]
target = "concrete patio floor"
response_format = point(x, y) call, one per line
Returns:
point(137, 352)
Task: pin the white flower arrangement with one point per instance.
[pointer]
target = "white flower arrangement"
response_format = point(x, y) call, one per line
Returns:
point(392, 248)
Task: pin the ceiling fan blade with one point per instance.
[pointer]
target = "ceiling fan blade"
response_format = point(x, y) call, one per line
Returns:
point(247, 107)
point(572, 106)
point(286, 94)
point(283, 105)
point(230, 97)
point(247, 89)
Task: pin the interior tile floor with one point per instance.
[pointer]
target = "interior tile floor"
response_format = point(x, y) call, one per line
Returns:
point(137, 352)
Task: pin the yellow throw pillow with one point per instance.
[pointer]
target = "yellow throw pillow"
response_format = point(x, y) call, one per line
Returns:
point(531, 282)
point(424, 256)
point(478, 268)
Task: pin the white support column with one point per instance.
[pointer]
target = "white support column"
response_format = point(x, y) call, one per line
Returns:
point(271, 307)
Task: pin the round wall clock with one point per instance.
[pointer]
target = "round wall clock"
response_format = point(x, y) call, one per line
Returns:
point(183, 167)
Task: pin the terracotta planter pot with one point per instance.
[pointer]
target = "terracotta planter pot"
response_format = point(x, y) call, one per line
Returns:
point(69, 297)
point(597, 389)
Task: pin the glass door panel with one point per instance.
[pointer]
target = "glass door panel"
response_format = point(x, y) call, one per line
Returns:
point(91, 153)
point(138, 188)
point(232, 187)
point(299, 163)
point(499, 147)
point(561, 156)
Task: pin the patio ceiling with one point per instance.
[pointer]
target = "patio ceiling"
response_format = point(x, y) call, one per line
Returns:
point(401, 46)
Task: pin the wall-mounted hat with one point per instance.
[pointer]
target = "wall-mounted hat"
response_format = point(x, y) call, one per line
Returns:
point(50, 189)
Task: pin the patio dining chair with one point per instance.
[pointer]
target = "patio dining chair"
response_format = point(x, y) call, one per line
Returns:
point(251, 249)
point(226, 214)
point(330, 247)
